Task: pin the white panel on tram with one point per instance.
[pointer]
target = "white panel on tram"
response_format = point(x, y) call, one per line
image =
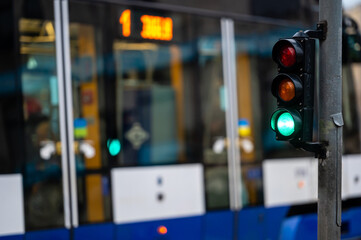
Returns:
point(11, 205)
point(352, 175)
point(314, 176)
point(345, 187)
point(280, 180)
point(157, 192)
point(288, 181)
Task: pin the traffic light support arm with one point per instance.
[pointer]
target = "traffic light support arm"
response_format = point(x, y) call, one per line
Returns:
point(320, 33)
point(319, 148)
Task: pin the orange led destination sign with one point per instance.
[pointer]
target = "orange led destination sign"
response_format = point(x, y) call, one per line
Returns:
point(152, 27)
point(125, 20)
point(159, 28)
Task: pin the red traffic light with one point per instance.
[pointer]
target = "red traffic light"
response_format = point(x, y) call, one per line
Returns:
point(287, 53)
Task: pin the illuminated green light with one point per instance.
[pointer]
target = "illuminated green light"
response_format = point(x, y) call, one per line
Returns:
point(286, 124)
point(114, 146)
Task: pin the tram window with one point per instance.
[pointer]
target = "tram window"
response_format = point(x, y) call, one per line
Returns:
point(255, 72)
point(10, 99)
point(351, 103)
point(38, 126)
point(147, 100)
point(351, 110)
point(42, 183)
point(159, 89)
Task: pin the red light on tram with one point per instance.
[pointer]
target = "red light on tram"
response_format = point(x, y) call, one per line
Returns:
point(162, 230)
point(286, 90)
point(301, 184)
point(287, 55)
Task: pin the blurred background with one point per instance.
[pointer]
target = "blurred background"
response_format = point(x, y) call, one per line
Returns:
point(116, 117)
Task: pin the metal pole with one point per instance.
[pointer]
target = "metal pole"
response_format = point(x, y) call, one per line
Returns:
point(230, 82)
point(62, 112)
point(330, 122)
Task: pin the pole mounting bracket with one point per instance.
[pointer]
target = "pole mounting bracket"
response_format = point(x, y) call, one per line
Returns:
point(318, 148)
point(320, 33)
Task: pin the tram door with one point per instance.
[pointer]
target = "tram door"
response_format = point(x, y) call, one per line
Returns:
point(148, 105)
point(31, 170)
point(119, 110)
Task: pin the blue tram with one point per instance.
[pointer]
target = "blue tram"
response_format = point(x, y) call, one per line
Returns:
point(149, 120)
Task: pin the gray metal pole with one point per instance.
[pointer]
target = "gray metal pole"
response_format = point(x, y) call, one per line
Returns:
point(331, 122)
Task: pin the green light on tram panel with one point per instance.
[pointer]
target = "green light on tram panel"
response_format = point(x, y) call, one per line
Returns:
point(286, 124)
point(114, 146)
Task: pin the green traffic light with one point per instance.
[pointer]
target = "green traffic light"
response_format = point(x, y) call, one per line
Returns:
point(286, 124)
point(114, 146)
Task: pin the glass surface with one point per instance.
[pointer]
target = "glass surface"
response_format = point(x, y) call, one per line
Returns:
point(255, 73)
point(351, 99)
point(285, 124)
point(287, 56)
point(41, 168)
point(256, 104)
point(147, 90)
point(11, 107)
point(286, 90)
point(351, 93)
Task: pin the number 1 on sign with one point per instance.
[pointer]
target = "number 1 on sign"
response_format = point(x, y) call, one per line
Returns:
point(126, 22)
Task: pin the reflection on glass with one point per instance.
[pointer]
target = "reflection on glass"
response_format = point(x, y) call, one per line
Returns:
point(151, 93)
point(42, 170)
point(255, 72)
point(350, 111)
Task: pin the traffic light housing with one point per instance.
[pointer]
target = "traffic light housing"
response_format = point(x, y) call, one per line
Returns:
point(294, 88)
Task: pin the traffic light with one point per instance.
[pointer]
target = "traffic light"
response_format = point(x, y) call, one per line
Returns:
point(293, 87)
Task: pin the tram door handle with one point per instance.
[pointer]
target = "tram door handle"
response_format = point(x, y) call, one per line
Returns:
point(50, 148)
